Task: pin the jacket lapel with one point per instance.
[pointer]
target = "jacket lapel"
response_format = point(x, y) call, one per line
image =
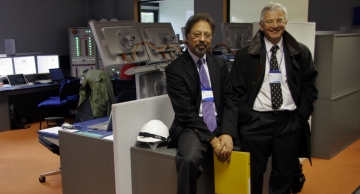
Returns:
point(190, 67)
point(214, 73)
point(193, 75)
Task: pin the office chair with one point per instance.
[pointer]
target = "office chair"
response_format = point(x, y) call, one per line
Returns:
point(72, 91)
point(84, 113)
point(72, 98)
point(61, 101)
point(54, 149)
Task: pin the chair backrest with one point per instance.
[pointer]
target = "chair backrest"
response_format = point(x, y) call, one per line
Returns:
point(73, 88)
point(62, 92)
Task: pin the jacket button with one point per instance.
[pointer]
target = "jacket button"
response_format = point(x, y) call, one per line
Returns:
point(253, 83)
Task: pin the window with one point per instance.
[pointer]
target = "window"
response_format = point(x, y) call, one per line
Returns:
point(149, 12)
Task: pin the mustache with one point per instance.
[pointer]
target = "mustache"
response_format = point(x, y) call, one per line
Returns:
point(201, 44)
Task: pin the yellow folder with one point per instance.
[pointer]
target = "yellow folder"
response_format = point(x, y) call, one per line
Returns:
point(233, 177)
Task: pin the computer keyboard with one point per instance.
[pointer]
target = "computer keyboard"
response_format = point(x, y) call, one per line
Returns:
point(44, 81)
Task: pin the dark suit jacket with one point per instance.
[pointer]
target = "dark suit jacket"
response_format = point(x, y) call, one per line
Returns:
point(247, 76)
point(183, 87)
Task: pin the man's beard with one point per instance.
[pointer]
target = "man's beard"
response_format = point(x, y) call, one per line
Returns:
point(200, 51)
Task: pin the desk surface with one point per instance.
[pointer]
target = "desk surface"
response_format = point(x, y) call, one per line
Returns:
point(11, 88)
point(53, 134)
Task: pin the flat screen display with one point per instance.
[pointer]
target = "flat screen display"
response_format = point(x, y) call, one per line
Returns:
point(6, 66)
point(56, 75)
point(46, 62)
point(25, 65)
point(16, 79)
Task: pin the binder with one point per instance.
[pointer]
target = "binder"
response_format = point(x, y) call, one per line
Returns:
point(233, 177)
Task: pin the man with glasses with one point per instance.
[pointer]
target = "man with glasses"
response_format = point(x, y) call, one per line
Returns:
point(273, 79)
point(204, 104)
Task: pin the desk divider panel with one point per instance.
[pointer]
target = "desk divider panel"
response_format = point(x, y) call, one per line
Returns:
point(128, 118)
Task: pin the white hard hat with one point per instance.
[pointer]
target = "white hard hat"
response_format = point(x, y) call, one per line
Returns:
point(154, 131)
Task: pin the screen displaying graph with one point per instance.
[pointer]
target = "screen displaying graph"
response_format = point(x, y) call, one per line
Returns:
point(25, 65)
point(6, 66)
point(46, 62)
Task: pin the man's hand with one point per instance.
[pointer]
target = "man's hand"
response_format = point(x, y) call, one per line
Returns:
point(217, 147)
point(227, 143)
point(222, 147)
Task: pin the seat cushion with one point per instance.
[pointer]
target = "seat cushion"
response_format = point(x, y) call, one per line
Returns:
point(55, 102)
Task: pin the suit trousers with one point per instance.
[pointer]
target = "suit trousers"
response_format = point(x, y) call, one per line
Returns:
point(277, 135)
point(190, 152)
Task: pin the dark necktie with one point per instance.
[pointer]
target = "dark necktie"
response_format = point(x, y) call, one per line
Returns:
point(276, 94)
point(208, 110)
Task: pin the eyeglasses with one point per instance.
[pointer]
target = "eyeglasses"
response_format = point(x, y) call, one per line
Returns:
point(280, 22)
point(198, 35)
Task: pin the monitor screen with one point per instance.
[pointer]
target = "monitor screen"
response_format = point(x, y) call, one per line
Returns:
point(56, 75)
point(160, 41)
point(118, 42)
point(236, 35)
point(46, 62)
point(25, 65)
point(16, 79)
point(6, 66)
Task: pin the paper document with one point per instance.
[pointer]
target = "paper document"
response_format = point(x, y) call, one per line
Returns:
point(55, 130)
point(109, 137)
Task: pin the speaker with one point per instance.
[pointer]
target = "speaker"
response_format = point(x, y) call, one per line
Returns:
point(10, 47)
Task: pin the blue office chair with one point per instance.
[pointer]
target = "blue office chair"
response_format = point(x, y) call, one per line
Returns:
point(84, 113)
point(72, 91)
point(60, 102)
point(54, 149)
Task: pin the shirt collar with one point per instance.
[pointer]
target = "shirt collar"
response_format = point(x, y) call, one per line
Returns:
point(196, 58)
point(268, 44)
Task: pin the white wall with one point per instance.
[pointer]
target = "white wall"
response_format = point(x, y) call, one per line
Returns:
point(249, 10)
point(177, 13)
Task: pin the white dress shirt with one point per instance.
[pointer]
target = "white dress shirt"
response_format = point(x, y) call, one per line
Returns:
point(263, 99)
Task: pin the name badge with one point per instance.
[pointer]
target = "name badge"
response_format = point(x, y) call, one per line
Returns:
point(274, 77)
point(207, 94)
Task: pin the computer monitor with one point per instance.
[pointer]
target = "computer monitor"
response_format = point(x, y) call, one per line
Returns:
point(6, 66)
point(16, 79)
point(24, 65)
point(118, 42)
point(46, 62)
point(56, 75)
point(160, 41)
point(236, 35)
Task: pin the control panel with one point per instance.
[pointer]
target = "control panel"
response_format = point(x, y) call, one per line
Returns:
point(82, 50)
